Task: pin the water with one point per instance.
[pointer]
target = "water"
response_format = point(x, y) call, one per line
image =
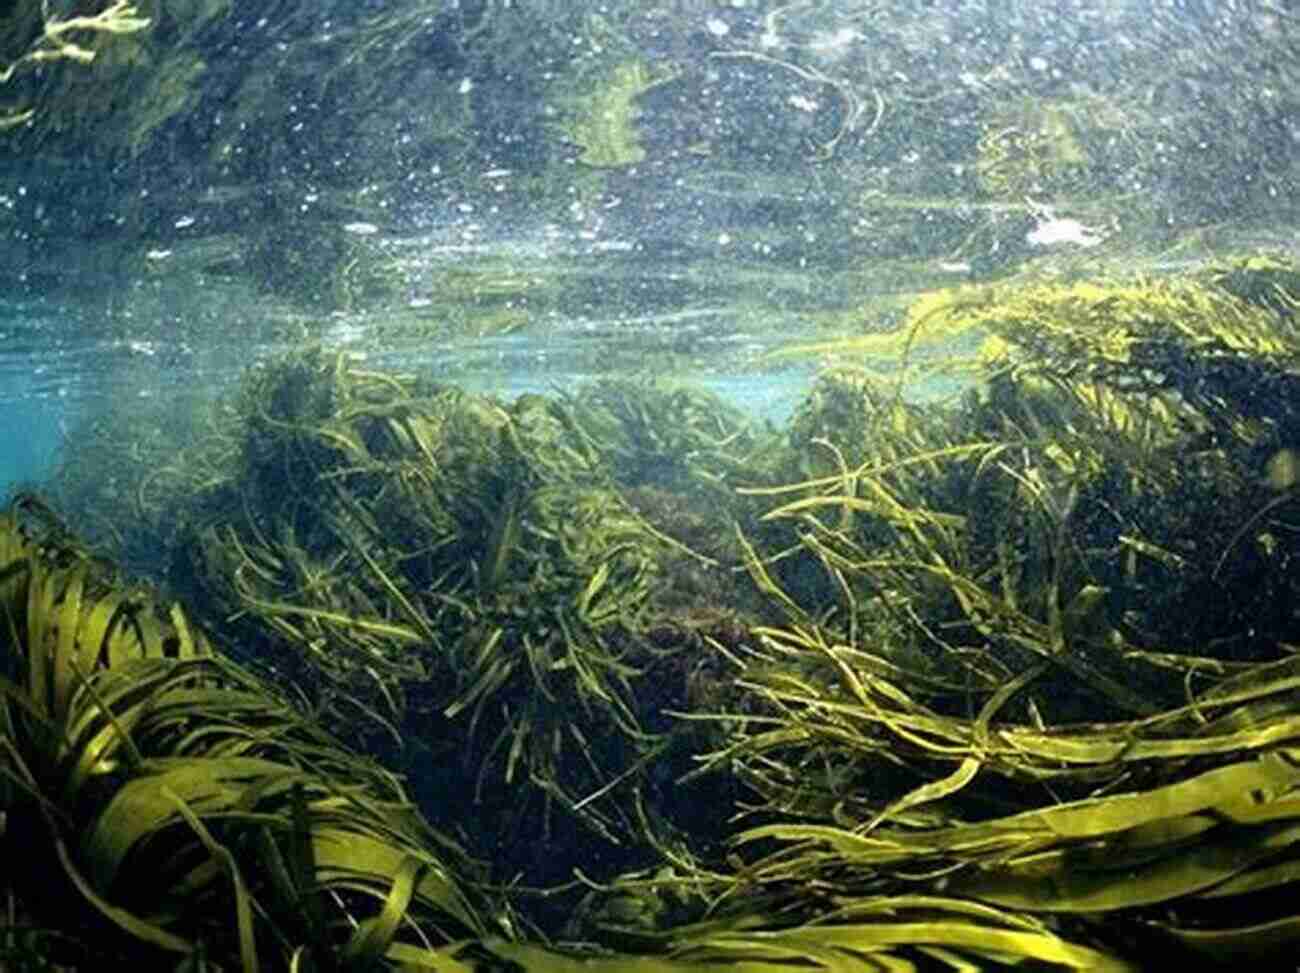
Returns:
point(496, 308)
point(158, 337)
point(483, 204)
point(541, 313)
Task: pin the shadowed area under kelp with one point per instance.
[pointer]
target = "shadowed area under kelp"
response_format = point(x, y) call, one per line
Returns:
point(1003, 679)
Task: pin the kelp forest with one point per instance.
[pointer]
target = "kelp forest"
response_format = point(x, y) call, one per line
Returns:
point(618, 679)
point(987, 657)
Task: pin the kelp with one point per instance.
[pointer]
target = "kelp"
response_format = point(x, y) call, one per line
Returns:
point(897, 935)
point(49, 39)
point(1048, 662)
point(124, 482)
point(1002, 679)
point(210, 770)
point(436, 564)
point(1205, 337)
point(85, 105)
point(601, 121)
point(1036, 646)
point(163, 801)
point(677, 454)
point(1031, 147)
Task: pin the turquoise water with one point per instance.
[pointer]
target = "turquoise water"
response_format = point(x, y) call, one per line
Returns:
point(29, 441)
point(38, 395)
point(59, 368)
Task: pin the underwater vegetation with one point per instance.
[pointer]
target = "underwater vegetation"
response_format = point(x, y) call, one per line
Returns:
point(33, 37)
point(626, 681)
point(131, 749)
point(1029, 149)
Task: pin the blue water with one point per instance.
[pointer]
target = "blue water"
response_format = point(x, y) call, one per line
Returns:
point(55, 372)
point(38, 395)
point(29, 440)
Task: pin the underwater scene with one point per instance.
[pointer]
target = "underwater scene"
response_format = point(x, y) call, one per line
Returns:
point(649, 486)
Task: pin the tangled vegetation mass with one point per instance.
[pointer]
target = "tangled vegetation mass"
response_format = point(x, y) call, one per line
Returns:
point(1004, 678)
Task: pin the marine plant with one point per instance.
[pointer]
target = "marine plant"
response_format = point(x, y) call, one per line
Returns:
point(1029, 149)
point(432, 564)
point(60, 39)
point(1011, 682)
point(1046, 665)
point(159, 802)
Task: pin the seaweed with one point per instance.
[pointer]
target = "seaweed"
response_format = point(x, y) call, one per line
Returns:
point(999, 678)
point(131, 748)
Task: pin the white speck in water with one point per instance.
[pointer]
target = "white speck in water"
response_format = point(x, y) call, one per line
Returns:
point(1052, 231)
